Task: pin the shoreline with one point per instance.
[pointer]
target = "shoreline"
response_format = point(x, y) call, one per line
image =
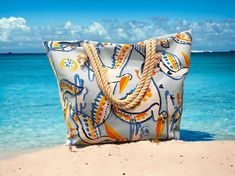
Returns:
point(136, 158)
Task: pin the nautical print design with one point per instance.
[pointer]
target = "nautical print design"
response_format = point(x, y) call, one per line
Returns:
point(67, 86)
point(140, 47)
point(121, 55)
point(143, 111)
point(171, 61)
point(171, 65)
point(69, 64)
point(164, 43)
point(90, 117)
point(101, 108)
point(183, 38)
point(63, 46)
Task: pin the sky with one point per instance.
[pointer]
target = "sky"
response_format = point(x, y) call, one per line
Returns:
point(25, 24)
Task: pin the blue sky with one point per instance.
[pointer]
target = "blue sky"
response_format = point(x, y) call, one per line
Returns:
point(24, 24)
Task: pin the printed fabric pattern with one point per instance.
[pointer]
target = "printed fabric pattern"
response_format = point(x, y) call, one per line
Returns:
point(90, 118)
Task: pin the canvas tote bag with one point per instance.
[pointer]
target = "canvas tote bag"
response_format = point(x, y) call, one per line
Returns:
point(121, 92)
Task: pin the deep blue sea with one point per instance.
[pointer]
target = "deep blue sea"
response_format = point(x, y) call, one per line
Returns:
point(31, 115)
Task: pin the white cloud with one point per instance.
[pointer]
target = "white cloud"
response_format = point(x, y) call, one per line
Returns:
point(72, 29)
point(121, 32)
point(95, 31)
point(10, 25)
point(96, 28)
point(212, 35)
point(68, 25)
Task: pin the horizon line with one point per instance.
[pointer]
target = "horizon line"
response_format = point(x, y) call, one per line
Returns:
point(193, 51)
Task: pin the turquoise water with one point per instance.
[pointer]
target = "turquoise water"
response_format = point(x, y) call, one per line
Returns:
point(31, 116)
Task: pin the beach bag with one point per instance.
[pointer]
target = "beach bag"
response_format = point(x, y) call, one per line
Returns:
point(121, 92)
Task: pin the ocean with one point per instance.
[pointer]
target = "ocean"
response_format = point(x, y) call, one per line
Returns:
point(31, 116)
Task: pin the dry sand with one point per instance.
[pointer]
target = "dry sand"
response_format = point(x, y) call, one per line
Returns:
point(140, 158)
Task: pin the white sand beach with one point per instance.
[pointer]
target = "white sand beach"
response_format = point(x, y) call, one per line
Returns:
point(139, 158)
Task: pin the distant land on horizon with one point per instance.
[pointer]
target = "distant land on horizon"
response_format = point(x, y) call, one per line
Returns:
point(193, 51)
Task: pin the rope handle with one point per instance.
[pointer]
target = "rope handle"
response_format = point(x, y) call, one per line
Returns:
point(152, 58)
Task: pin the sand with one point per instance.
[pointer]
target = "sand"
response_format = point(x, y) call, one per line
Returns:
point(139, 158)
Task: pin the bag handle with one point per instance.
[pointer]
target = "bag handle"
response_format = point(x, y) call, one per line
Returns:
point(152, 58)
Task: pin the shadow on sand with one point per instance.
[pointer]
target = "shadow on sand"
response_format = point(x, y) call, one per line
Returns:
point(188, 135)
point(185, 135)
